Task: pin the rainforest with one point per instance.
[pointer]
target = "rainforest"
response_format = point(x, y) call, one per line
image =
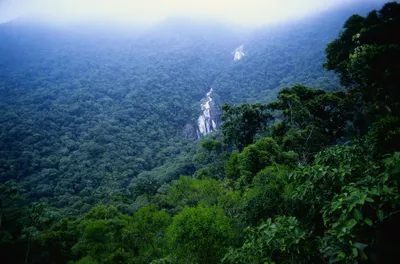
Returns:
point(191, 141)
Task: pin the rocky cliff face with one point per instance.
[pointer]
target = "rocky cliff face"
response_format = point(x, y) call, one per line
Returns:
point(209, 120)
point(190, 131)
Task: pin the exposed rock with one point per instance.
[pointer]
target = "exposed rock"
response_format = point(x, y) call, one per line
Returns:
point(190, 132)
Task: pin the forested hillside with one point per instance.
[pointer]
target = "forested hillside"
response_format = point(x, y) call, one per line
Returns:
point(283, 55)
point(82, 110)
point(98, 162)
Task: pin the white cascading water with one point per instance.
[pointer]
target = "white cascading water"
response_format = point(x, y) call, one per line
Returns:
point(205, 122)
point(238, 53)
point(208, 120)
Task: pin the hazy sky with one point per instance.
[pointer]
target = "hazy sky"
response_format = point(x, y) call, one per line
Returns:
point(254, 12)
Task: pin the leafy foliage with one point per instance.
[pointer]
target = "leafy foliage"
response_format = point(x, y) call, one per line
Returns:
point(312, 119)
point(242, 123)
point(199, 235)
point(282, 240)
point(366, 54)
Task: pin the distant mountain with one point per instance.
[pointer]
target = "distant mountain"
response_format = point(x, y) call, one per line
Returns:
point(84, 109)
point(284, 54)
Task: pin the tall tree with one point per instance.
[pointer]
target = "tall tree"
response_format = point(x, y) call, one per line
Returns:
point(199, 235)
point(242, 123)
point(366, 56)
point(312, 119)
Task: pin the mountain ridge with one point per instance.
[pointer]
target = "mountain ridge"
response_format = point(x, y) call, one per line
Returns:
point(122, 102)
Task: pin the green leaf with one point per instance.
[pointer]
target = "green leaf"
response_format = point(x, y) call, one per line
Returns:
point(363, 255)
point(351, 223)
point(369, 199)
point(368, 221)
point(374, 191)
point(360, 246)
point(380, 215)
point(355, 252)
point(357, 214)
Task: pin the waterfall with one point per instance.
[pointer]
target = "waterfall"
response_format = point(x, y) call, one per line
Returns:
point(209, 119)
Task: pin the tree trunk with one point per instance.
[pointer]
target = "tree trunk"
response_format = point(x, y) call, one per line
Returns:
point(27, 250)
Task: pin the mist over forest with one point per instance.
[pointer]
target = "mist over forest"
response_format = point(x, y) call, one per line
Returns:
point(195, 139)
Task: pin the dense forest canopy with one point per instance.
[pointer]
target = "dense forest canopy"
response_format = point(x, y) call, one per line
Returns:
point(97, 164)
